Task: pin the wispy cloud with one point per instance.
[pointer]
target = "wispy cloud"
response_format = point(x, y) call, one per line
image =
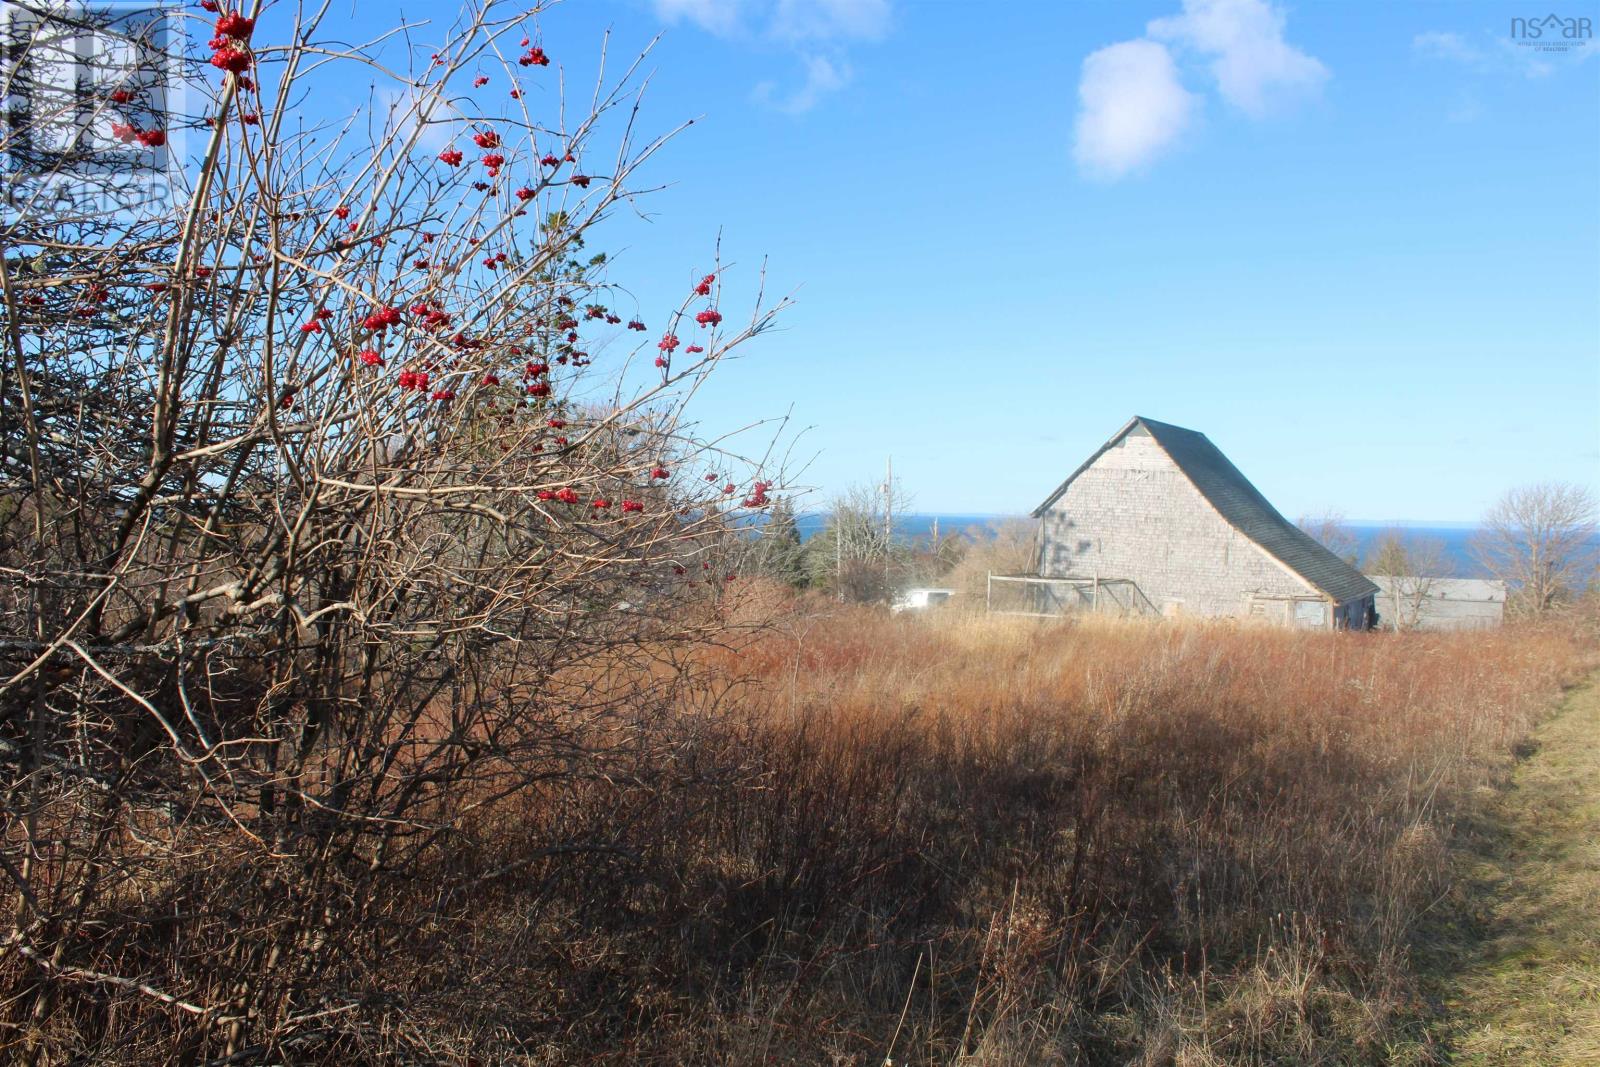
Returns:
point(406, 110)
point(816, 32)
point(831, 20)
point(1133, 104)
point(1132, 107)
point(1486, 55)
point(722, 17)
point(823, 76)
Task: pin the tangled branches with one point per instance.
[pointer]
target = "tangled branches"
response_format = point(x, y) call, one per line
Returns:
point(330, 500)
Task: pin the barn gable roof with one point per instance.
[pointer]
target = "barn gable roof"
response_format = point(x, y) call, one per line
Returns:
point(1241, 505)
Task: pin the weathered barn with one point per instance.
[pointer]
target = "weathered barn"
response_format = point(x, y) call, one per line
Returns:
point(1160, 520)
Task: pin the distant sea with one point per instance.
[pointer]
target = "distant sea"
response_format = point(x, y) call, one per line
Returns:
point(1452, 536)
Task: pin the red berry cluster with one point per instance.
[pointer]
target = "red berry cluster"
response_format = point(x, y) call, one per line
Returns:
point(382, 319)
point(229, 50)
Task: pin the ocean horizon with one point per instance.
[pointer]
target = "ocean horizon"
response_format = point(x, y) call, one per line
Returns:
point(1453, 537)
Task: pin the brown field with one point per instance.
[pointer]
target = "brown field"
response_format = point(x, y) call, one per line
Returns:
point(955, 839)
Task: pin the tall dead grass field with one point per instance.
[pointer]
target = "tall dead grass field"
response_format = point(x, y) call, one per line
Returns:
point(970, 840)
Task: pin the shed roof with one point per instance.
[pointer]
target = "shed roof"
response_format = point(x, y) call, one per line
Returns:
point(1483, 590)
point(1241, 505)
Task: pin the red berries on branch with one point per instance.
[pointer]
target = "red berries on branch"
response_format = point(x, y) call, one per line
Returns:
point(382, 319)
point(709, 317)
point(236, 26)
point(231, 59)
point(704, 288)
point(534, 57)
point(450, 157)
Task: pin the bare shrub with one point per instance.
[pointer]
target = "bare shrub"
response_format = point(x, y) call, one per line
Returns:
point(1009, 547)
point(337, 506)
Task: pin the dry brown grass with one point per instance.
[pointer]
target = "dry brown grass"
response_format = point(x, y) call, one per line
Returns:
point(846, 837)
point(994, 841)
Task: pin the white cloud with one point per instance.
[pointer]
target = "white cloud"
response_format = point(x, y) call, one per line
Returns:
point(722, 17)
point(823, 76)
point(1254, 66)
point(1438, 45)
point(801, 26)
point(783, 20)
point(407, 109)
point(801, 20)
point(1502, 56)
point(1131, 108)
point(1132, 104)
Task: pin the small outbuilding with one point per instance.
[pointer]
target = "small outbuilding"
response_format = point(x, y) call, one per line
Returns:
point(1158, 521)
point(1418, 602)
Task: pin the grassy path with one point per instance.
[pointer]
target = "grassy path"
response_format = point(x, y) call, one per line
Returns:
point(1518, 975)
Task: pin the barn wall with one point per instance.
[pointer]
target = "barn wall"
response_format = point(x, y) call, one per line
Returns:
point(1133, 514)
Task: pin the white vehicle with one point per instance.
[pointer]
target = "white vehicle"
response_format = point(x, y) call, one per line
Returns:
point(920, 599)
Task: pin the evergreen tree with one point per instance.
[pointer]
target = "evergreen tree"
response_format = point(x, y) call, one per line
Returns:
point(778, 553)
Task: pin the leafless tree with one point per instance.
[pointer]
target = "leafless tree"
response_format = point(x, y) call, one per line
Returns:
point(1541, 540)
point(1411, 566)
point(857, 554)
point(1334, 533)
point(1010, 546)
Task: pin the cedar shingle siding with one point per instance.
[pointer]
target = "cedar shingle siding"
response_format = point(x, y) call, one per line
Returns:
point(1161, 506)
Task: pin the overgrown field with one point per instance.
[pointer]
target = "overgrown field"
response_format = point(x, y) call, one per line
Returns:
point(844, 837)
point(969, 840)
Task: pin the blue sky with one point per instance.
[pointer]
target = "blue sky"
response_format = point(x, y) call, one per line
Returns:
point(1357, 244)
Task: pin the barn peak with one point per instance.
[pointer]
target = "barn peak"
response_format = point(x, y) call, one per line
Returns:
point(1239, 503)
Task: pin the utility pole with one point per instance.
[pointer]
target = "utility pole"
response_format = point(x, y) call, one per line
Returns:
point(838, 555)
point(888, 520)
